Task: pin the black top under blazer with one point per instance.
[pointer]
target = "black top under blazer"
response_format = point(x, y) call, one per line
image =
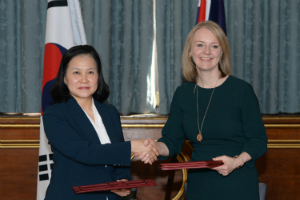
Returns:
point(79, 158)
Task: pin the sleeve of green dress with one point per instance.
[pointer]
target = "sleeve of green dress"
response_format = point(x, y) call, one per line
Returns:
point(253, 126)
point(172, 133)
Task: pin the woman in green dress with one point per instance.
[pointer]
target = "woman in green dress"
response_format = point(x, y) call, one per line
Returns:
point(219, 114)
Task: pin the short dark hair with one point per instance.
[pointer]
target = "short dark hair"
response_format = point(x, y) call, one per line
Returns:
point(60, 92)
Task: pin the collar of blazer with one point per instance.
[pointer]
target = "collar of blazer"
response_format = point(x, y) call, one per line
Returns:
point(81, 120)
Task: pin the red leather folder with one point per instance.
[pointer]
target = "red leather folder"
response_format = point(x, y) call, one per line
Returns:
point(113, 186)
point(192, 165)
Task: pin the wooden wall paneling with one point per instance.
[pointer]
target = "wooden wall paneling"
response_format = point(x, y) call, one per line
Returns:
point(18, 173)
point(19, 143)
point(278, 168)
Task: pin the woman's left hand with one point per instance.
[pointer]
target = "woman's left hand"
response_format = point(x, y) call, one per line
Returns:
point(229, 165)
point(122, 192)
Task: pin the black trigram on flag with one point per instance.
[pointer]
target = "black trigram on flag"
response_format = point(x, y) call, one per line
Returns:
point(45, 167)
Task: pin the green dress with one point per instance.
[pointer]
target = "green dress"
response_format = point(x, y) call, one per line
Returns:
point(233, 125)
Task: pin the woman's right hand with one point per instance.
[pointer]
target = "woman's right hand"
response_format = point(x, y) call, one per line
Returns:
point(143, 151)
point(145, 157)
point(162, 149)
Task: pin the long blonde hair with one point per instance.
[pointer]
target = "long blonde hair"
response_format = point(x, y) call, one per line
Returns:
point(188, 65)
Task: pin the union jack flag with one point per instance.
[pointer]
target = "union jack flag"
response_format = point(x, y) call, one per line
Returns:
point(212, 10)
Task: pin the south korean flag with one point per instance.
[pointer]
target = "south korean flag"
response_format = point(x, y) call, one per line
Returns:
point(64, 29)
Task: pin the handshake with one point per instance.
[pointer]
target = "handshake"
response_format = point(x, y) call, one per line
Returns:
point(146, 150)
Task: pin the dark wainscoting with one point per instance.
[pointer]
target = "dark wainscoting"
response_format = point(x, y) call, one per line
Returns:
point(279, 168)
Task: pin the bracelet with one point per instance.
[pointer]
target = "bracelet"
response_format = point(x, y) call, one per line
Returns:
point(237, 157)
